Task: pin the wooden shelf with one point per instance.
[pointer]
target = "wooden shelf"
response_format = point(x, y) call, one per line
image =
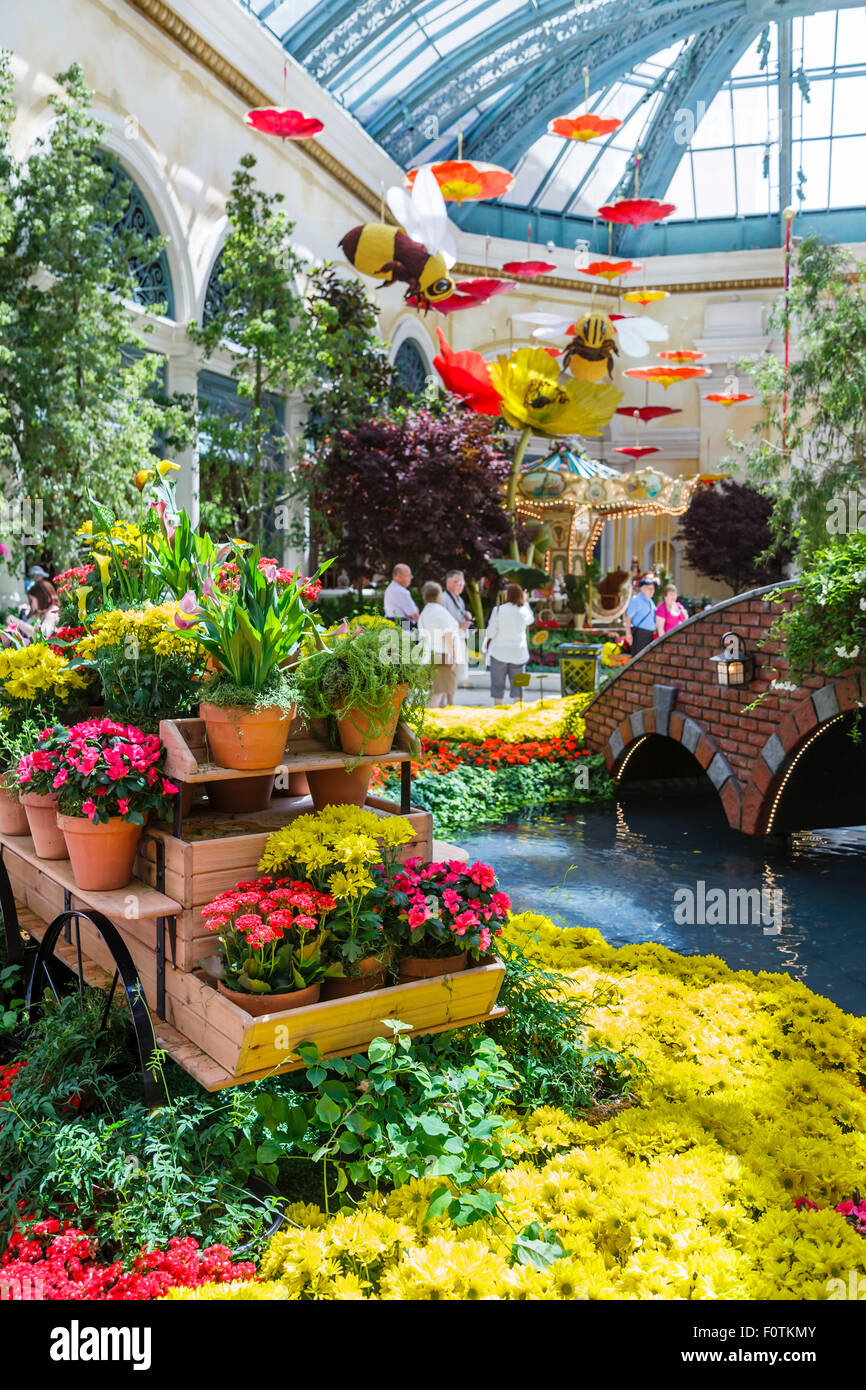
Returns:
point(299, 762)
point(149, 903)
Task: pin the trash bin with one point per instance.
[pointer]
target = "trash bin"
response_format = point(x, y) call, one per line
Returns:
point(578, 667)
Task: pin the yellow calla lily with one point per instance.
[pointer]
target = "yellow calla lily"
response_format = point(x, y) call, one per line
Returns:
point(81, 594)
point(532, 396)
point(142, 478)
point(103, 564)
point(166, 466)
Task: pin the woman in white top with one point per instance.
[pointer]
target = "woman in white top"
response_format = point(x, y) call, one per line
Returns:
point(440, 632)
point(506, 646)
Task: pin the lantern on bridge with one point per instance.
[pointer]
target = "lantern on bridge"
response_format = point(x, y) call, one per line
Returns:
point(734, 664)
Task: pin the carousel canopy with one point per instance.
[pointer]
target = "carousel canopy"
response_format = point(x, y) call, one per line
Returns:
point(738, 108)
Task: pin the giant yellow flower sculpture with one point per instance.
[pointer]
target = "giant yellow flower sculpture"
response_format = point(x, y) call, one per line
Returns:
point(533, 397)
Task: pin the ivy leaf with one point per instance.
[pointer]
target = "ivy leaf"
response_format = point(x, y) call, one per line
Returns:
point(440, 1201)
point(535, 1247)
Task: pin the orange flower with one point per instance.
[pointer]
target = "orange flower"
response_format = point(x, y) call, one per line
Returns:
point(666, 376)
point(681, 355)
point(462, 180)
point(733, 399)
point(583, 127)
point(644, 297)
point(610, 270)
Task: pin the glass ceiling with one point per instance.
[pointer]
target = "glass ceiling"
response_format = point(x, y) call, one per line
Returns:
point(736, 107)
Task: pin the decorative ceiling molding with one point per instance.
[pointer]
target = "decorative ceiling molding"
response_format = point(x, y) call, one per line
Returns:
point(163, 17)
point(561, 282)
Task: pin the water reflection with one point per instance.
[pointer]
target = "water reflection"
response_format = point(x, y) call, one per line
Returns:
point(627, 870)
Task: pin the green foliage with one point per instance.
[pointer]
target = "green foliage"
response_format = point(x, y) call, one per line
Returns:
point(76, 384)
point(826, 629)
point(823, 454)
point(274, 346)
point(12, 986)
point(469, 796)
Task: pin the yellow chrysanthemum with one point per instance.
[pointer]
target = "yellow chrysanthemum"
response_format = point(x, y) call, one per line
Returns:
point(532, 396)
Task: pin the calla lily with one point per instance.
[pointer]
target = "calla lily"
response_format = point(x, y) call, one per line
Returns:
point(166, 466)
point(81, 594)
point(103, 564)
point(189, 605)
point(142, 478)
point(207, 587)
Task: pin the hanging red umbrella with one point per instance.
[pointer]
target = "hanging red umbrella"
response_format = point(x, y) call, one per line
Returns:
point(646, 413)
point(466, 180)
point(288, 124)
point(681, 355)
point(644, 297)
point(634, 212)
point(636, 452)
point(666, 376)
point(526, 270)
point(583, 127)
point(610, 270)
point(728, 400)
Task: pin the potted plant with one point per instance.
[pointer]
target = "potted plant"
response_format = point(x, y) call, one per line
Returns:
point(271, 939)
point(106, 778)
point(249, 617)
point(361, 681)
point(14, 743)
point(148, 669)
point(440, 914)
point(351, 854)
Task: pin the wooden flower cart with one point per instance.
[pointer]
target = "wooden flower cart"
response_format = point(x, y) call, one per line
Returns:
point(149, 937)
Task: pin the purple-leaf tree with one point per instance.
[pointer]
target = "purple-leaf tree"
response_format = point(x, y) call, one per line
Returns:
point(727, 530)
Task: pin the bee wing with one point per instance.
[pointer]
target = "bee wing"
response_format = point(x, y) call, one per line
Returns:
point(543, 320)
point(424, 216)
point(635, 334)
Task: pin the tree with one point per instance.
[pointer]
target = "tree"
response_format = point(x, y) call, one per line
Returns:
point(727, 531)
point(274, 345)
point(76, 382)
point(423, 488)
point(817, 451)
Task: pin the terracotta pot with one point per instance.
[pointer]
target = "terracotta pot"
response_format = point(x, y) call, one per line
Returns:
point(371, 975)
point(259, 1004)
point(246, 740)
point(240, 795)
point(353, 728)
point(295, 784)
point(102, 855)
point(419, 968)
point(48, 840)
point(334, 786)
point(13, 817)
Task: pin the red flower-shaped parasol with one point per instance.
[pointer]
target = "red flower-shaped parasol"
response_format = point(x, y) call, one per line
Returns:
point(465, 180)
point(583, 127)
point(610, 270)
point(469, 293)
point(289, 125)
point(728, 400)
point(681, 355)
point(646, 413)
point(666, 376)
point(525, 270)
point(465, 374)
point(634, 212)
point(644, 297)
point(636, 452)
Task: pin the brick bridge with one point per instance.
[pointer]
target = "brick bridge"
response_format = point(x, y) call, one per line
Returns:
point(788, 764)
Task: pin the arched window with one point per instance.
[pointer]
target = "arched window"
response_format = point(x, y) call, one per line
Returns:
point(214, 295)
point(152, 282)
point(410, 367)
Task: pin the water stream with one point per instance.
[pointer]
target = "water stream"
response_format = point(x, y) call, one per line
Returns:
point(634, 871)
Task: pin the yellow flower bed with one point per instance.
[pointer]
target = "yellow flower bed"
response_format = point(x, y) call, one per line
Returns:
point(152, 626)
point(751, 1099)
point(475, 723)
point(30, 673)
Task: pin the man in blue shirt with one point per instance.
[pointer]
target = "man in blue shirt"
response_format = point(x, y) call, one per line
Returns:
point(640, 616)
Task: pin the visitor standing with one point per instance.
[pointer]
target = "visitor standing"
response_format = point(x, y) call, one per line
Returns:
point(670, 612)
point(442, 640)
point(505, 645)
point(453, 602)
point(640, 616)
point(399, 603)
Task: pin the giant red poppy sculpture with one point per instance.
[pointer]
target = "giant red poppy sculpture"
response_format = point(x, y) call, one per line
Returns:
point(288, 124)
point(609, 270)
point(647, 413)
point(584, 127)
point(465, 180)
point(666, 376)
point(466, 375)
point(634, 212)
point(527, 270)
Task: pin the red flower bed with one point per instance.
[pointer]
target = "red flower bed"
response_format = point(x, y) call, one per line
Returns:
point(440, 755)
point(7, 1075)
point(52, 1261)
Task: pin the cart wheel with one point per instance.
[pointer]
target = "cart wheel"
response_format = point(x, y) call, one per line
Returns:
point(125, 971)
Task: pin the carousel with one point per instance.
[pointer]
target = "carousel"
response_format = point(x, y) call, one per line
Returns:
point(573, 498)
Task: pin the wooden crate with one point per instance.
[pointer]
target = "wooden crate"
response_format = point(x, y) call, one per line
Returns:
point(197, 870)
